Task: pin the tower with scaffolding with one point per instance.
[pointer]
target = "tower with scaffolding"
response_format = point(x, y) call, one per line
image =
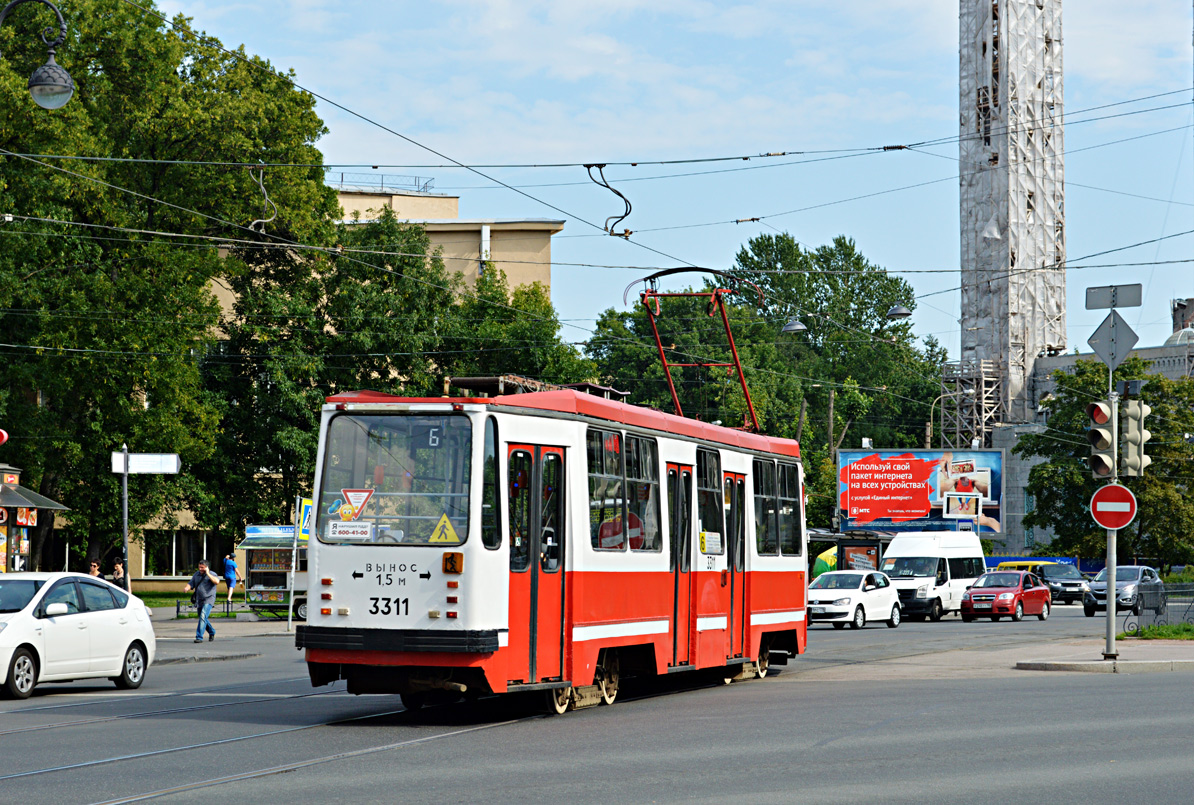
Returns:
point(1012, 213)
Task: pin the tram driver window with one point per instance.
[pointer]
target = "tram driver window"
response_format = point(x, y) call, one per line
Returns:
point(607, 504)
point(642, 495)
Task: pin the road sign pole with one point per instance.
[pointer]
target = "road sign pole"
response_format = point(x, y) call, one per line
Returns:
point(124, 514)
point(1109, 652)
point(298, 523)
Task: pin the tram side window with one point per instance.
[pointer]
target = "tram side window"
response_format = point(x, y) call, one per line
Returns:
point(520, 510)
point(766, 534)
point(607, 502)
point(790, 537)
point(710, 505)
point(491, 526)
point(642, 495)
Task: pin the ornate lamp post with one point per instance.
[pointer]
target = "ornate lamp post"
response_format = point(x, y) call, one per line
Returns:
point(50, 85)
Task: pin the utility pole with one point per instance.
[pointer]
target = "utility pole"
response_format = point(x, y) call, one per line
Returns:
point(800, 422)
point(831, 394)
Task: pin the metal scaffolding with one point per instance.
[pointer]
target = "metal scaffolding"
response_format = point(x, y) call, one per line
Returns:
point(970, 402)
point(1012, 202)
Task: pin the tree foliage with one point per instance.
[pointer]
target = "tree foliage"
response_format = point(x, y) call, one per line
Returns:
point(882, 382)
point(1062, 485)
point(110, 319)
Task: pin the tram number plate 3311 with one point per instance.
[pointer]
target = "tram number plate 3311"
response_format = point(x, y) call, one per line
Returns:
point(389, 606)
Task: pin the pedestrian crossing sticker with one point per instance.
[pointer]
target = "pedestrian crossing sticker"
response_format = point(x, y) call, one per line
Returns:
point(443, 531)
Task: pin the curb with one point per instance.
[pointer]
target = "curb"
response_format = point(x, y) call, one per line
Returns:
point(212, 658)
point(1110, 666)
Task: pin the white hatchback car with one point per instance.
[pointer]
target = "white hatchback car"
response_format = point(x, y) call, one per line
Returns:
point(59, 627)
point(854, 597)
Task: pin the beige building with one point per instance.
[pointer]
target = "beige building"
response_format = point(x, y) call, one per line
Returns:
point(521, 247)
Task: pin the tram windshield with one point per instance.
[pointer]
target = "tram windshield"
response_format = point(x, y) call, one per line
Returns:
point(396, 479)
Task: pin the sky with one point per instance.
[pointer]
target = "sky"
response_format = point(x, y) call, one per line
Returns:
point(514, 82)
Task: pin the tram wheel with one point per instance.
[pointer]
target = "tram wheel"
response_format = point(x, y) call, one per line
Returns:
point(609, 677)
point(558, 700)
point(763, 663)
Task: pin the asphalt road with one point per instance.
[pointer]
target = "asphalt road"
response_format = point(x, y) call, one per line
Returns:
point(925, 713)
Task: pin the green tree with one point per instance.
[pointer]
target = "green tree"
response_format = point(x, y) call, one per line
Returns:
point(109, 319)
point(1062, 485)
point(491, 331)
point(305, 326)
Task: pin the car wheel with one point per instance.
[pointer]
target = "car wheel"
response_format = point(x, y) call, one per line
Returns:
point(300, 609)
point(1088, 611)
point(1162, 605)
point(1138, 607)
point(132, 670)
point(995, 618)
point(936, 612)
point(1018, 615)
point(22, 674)
point(1044, 611)
point(967, 619)
point(839, 626)
point(859, 618)
point(414, 701)
point(894, 620)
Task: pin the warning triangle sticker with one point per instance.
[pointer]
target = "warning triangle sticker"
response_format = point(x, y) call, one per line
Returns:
point(356, 500)
point(443, 531)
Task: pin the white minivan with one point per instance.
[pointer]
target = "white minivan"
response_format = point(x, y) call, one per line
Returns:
point(931, 569)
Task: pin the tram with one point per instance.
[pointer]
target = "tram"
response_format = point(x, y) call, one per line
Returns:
point(550, 541)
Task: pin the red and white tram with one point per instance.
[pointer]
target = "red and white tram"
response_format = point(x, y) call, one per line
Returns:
point(546, 541)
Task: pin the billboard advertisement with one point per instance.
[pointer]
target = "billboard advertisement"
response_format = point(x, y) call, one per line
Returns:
point(920, 490)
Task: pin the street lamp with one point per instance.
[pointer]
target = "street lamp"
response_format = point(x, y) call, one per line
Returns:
point(50, 85)
point(793, 326)
point(897, 312)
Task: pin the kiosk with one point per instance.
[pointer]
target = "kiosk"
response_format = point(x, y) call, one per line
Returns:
point(268, 551)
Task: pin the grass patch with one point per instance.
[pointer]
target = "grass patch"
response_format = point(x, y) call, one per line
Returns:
point(1169, 631)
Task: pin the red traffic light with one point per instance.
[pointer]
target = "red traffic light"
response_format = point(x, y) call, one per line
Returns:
point(3, 436)
point(1099, 412)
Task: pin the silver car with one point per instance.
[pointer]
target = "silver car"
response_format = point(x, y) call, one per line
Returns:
point(1137, 587)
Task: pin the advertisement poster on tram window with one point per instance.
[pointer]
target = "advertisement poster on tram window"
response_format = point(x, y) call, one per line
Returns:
point(920, 490)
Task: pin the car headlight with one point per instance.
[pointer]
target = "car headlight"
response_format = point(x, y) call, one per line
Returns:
point(2, 625)
point(1129, 590)
point(966, 596)
point(922, 591)
point(842, 602)
point(1056, 585)
point(1006, 596)
point(1085, 587)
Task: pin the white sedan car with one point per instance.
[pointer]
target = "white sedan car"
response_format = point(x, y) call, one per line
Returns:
point(59, 627)
point(854, 597)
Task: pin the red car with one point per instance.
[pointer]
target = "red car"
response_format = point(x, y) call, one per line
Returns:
point(1013, 593)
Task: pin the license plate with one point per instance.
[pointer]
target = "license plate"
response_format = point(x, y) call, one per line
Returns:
point(982, 606)
point(817, 610)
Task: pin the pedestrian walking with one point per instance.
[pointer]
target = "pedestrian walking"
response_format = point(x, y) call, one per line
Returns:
point(94, 571)
point(204, 584)
point(231, 574)
point(118, 574)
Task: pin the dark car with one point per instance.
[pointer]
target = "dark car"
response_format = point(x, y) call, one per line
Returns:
point(1137, 587)
point(1006, 593)
point(1064, 581)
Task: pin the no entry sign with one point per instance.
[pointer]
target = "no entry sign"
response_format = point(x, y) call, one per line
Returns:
point(1113, 506)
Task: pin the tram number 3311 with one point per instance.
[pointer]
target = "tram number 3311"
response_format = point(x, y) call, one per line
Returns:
point(389, 606)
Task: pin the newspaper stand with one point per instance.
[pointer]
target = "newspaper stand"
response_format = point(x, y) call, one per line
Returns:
point(268, 552)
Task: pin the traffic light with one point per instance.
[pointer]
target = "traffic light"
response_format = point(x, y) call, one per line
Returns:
point(1135, 437)
point(1102, 439)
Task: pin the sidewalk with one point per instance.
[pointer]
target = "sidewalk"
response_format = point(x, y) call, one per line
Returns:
point(1135, 657)
point(1075, 655)
point(176, 638)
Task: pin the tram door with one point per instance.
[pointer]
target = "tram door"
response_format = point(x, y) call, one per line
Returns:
point(679, 507)
point(536, 532)
point(735, 503)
